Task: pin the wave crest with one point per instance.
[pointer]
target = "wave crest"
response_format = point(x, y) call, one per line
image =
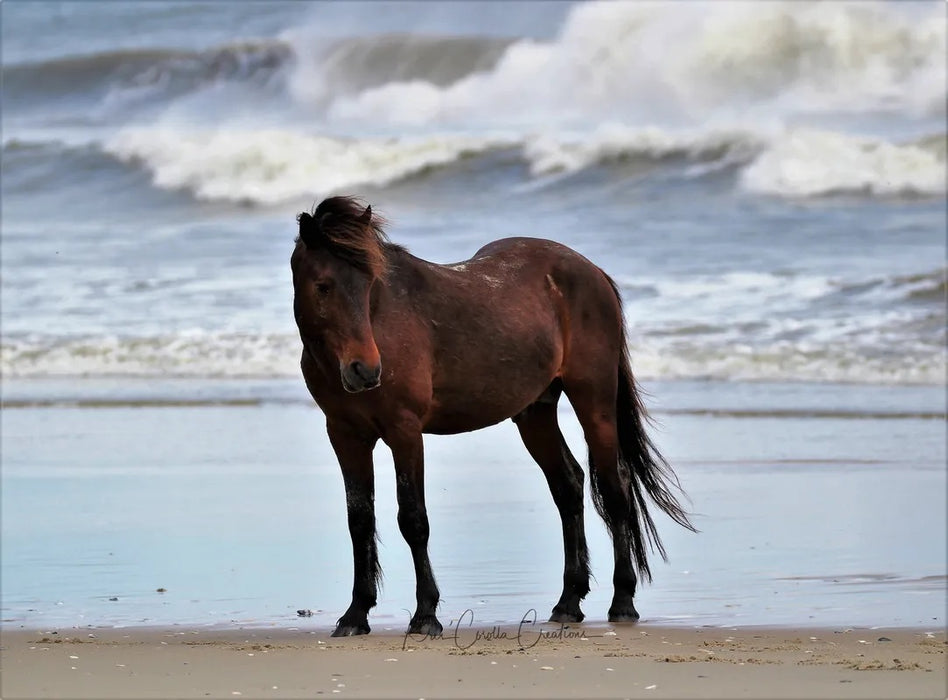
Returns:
point(352, 65)
point(131, 73)
point(270, 166)
point(613, 61)
point(553, 153)
point(809, 162)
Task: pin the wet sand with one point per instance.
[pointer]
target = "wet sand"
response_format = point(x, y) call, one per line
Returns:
point(588, 662)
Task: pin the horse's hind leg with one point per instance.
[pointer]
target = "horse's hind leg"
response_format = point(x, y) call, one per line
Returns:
point(595, 407)
point(542, 437)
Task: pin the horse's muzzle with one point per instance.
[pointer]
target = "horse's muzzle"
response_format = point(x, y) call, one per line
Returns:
point(356, 377)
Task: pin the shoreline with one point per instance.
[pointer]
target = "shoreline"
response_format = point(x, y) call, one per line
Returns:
point(461, 628)
point(585, 661)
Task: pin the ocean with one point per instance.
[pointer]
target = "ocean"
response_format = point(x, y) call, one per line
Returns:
point(766, 182)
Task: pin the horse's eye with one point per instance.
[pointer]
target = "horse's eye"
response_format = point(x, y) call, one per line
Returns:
point(323, 288)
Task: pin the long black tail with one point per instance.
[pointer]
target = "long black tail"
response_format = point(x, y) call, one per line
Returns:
point(649, 473)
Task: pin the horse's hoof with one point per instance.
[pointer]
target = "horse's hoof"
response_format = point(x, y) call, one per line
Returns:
point(343, 630)
point(629, 615)
point(564, 616)
point(427, 626)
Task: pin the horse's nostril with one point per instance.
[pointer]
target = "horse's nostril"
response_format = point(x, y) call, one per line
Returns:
point(369, 375)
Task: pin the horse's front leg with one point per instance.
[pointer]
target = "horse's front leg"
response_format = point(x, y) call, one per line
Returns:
point(355, 458)
point(408, 452)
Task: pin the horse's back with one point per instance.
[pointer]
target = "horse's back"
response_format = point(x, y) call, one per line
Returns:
point(527, 250)
point(541, 263)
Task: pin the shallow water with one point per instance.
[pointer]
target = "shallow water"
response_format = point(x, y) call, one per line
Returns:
point(238, 512)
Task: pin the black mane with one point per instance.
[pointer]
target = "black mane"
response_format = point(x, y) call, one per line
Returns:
point(348, 229)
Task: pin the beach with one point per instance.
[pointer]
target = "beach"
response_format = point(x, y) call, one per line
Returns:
point(161, 538)
point(641, 661)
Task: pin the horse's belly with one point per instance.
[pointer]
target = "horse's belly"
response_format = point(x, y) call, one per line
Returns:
point(456, 420)
point(463, 409)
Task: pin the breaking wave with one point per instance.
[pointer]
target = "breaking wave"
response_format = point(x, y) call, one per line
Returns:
point(351, 65)
point(641, 63)
point(745, 88)
point(267, 166)
point(271, 166)
point(645, 62)
point(808, 162)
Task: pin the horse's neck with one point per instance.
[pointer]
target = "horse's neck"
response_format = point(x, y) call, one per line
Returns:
point(410, 279)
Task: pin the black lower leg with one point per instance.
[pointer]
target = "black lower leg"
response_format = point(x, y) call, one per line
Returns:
point(616, 507)
point(355, 458)
point(365, 573)
point(413, 523)
point(569, 501)
point(541, 435)
point(408, 451)
point(623, 578)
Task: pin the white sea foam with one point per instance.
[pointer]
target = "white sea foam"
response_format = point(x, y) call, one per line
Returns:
point(270, 165)
point(783, 362)
point(655, 356)
point(808, 162)
point(648, 62)
point(731, 288)
point(722, 83)
point(189, 354)
point(717, 84)
point(549, 153)
point(787, 162)
point(696, 327)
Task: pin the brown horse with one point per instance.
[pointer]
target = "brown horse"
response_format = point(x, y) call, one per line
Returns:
point(395, 346)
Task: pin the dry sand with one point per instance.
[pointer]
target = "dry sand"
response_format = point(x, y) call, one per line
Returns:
point(589, 662)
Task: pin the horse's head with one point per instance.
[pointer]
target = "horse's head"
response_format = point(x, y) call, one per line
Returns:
point(338, 257)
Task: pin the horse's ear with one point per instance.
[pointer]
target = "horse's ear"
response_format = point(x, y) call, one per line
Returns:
point(309, 230)
point(366, 215)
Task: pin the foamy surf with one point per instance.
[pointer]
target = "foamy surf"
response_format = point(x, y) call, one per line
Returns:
point(882, 330)
point(787, 95)
point(652, 63)
point(672, 356)
point(613, 142)
point(270, 166)
point(808, 162)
